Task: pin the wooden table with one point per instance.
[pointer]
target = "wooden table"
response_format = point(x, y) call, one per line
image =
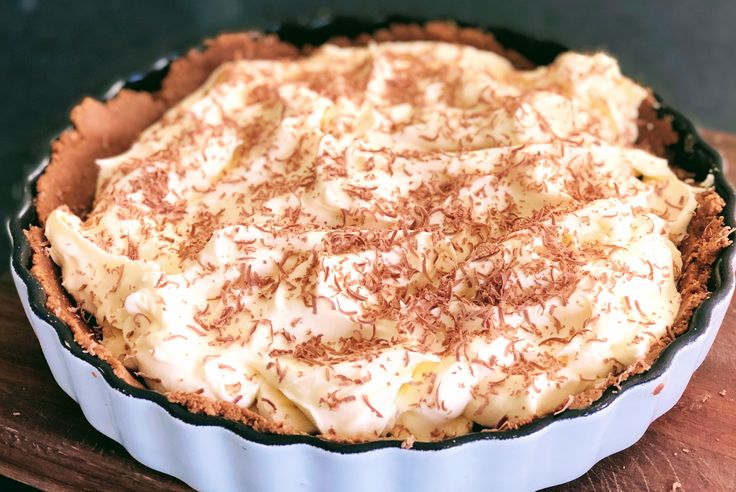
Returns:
point(46, 442)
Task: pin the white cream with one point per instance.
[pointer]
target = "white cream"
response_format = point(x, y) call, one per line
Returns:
point(526, 250)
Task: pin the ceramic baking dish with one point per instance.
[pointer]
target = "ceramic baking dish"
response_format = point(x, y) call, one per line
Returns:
point(211, 453)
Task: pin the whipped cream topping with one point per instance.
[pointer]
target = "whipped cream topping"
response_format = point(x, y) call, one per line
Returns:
point(396, 240)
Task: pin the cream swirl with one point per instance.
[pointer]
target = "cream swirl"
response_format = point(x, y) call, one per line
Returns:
point(401, 239)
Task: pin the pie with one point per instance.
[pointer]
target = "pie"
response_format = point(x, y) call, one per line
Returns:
point(411, 235)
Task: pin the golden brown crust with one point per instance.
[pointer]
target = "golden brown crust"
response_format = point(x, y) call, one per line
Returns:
point(196, 403)
point(104, 129)
point(100, 130)
point(190, 71)
point(199, 404)
point(655, 133)
point(58, 302)
point(706, 237)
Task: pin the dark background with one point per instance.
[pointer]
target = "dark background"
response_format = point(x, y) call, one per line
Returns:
point(52, 52)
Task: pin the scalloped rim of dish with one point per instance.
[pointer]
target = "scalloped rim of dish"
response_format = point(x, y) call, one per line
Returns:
point(699, 155)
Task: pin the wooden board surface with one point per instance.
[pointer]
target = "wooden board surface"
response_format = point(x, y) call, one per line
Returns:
point(46, 442)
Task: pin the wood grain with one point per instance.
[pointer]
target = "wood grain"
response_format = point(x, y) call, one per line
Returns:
point(46, 442)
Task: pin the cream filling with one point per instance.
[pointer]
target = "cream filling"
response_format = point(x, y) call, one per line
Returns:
point(399, 239)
